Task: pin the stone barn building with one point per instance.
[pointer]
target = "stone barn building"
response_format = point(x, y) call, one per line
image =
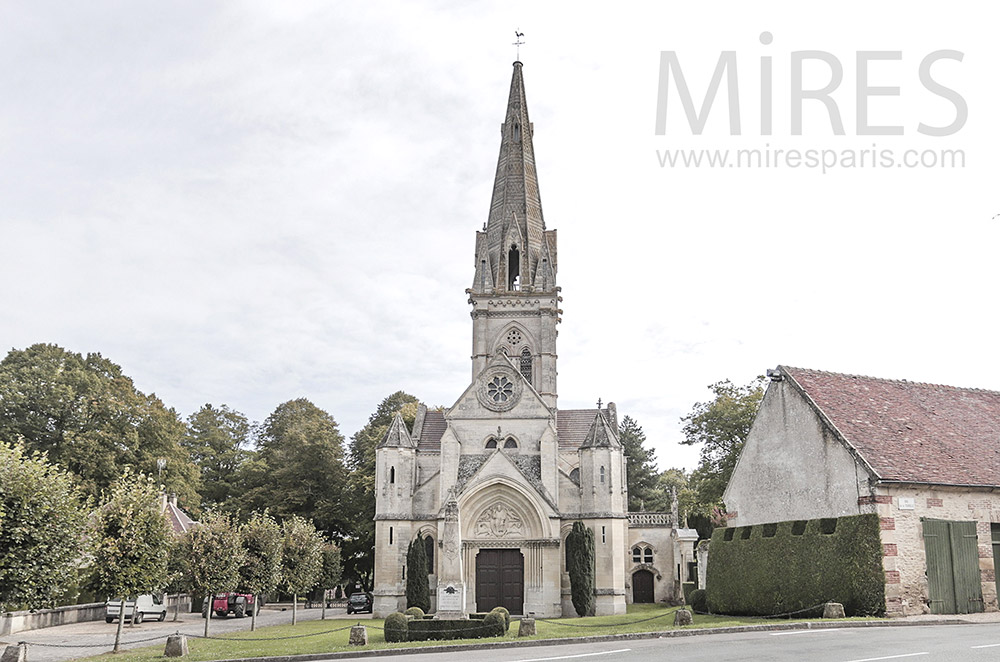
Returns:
point(495, 482)
point(924, 457)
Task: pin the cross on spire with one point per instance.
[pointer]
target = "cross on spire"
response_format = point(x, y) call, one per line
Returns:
point(598, 403)
point(518, 43)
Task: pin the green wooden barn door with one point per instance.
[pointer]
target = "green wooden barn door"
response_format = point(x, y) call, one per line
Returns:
point(952, 567)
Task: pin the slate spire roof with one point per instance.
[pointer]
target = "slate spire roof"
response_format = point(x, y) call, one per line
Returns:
point(397, 436)
point(601, 434)
point(515, 218)
point(909, 431)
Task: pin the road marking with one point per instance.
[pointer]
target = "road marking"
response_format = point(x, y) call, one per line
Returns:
point(889, 657)
point(567, 657)
point(987, 646)
point(779, 634)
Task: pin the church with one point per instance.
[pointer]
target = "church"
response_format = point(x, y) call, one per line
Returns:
point(495, 482)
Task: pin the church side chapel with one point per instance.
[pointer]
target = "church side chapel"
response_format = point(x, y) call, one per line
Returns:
point(495, 483)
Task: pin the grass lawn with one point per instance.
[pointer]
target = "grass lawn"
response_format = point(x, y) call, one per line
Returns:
point(321, 639)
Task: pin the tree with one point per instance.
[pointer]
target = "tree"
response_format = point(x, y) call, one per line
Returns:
point(133, 541)
point(359, 546)
point(216, 441)
point(332, 571)
point(299, 468)
point(302, 558)
point(418, 592)
point(43, 520)
point(721, 426)
point(89, 418)
point(580, 564)
point(642, 478)
point(263, 545)
point(215, 556)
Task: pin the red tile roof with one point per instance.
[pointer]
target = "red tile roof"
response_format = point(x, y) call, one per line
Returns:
point(909, 431)
point(433, 430)
point(178, 519)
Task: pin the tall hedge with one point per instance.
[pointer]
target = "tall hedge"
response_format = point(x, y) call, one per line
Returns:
point(778, 568)
point(580, 565)
point(418, 591)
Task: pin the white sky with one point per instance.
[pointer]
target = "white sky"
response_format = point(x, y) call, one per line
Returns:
point(244, 203)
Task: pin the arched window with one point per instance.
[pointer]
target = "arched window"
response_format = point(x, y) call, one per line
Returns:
point(491, 442)
point(510, 443)
point(526, 364)
point(602, 474)
point(513, 269)
point(392, 475)
point(429, 550)
point(647, 555)
point(636, 555)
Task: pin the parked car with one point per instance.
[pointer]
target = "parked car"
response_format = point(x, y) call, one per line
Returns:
point(136, 608)
point(237, 604)
point(359, 602)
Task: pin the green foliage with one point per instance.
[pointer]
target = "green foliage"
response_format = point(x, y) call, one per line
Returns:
point(43, 520)
point(761, 576)
point(299, 467)
point(721, 427)
point(214, 554)
point(644, 490)
point(302, 556)
point(359, 498)
point(434, 629)
point(506, 616)
point(89, 418)
point(133, 539)
point(580, 564)
point(263, 545)
point(414, 612)
point(332, 568)
point(496, 624)
point(396, 627)
point(216, 441)
point(699, 601)
point(418, 592)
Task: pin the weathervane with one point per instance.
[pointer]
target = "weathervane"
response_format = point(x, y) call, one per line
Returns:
point(518, 43)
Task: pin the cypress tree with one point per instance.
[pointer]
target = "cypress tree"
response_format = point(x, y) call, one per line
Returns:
point(580, 564)
point(418, 592)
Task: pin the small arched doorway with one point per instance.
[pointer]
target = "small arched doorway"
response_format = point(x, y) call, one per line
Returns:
point(642, 587)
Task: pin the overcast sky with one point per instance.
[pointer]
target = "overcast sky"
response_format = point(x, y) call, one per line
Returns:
point(242, 203)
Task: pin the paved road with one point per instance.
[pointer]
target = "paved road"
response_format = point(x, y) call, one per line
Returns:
point(85, 639)
point(941, 643)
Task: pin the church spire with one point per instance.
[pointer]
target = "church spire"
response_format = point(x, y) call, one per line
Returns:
point(515, 253)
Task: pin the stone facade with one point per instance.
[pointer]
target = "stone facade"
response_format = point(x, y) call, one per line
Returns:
point(496, 481)
point(828, 445)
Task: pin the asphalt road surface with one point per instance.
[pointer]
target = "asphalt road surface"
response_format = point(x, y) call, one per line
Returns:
point(67, 642)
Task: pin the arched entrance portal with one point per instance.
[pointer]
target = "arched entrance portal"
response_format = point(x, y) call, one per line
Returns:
point(500, 580)
point(642, 586)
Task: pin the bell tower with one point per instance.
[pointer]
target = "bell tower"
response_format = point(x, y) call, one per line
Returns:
point(514, 296)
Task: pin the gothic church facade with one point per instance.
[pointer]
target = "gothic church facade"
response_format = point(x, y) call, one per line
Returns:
point(495, 482)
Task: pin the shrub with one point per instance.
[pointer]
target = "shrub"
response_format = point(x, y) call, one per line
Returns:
point(506, 616)
point(687, 588)
point(396, 627)
point(699, 601)
point(415, 613)
point(428, 630)
point(805, 564)
point(418, 592)
point(496, 624)
point(580, 564)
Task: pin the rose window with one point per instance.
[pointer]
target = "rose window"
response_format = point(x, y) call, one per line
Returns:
point(513, 337)
point(500, 389)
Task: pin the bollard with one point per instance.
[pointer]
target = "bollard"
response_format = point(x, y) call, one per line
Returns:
point(359, 636)
point(526, 628)
point(682, 617)
point(18, 653)
point(177, 646)
point(833, 610)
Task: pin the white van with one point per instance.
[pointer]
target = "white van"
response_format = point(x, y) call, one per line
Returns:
point(136, 608)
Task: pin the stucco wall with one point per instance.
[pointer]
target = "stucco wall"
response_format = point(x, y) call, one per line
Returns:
point(791, 467)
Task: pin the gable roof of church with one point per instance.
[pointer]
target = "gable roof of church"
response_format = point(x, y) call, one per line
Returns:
point(572, 426)
point(909, 431)
point(432, 431)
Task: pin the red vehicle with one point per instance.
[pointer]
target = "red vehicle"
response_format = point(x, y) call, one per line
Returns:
point(237, 604)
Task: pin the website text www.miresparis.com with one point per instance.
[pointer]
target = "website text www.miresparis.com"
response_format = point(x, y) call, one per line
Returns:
point(934, 110)
point(822, 160)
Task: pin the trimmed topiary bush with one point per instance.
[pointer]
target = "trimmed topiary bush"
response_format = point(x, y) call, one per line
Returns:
point(506, 616)
point(415, 612)
point(580, 564)
point(496, 624)
point(428, 630)
point(804, 564)
point(699, 601)
point(418, 590)
point(397, 627)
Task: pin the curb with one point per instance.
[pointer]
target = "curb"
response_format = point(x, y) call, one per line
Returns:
point(531, 643)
